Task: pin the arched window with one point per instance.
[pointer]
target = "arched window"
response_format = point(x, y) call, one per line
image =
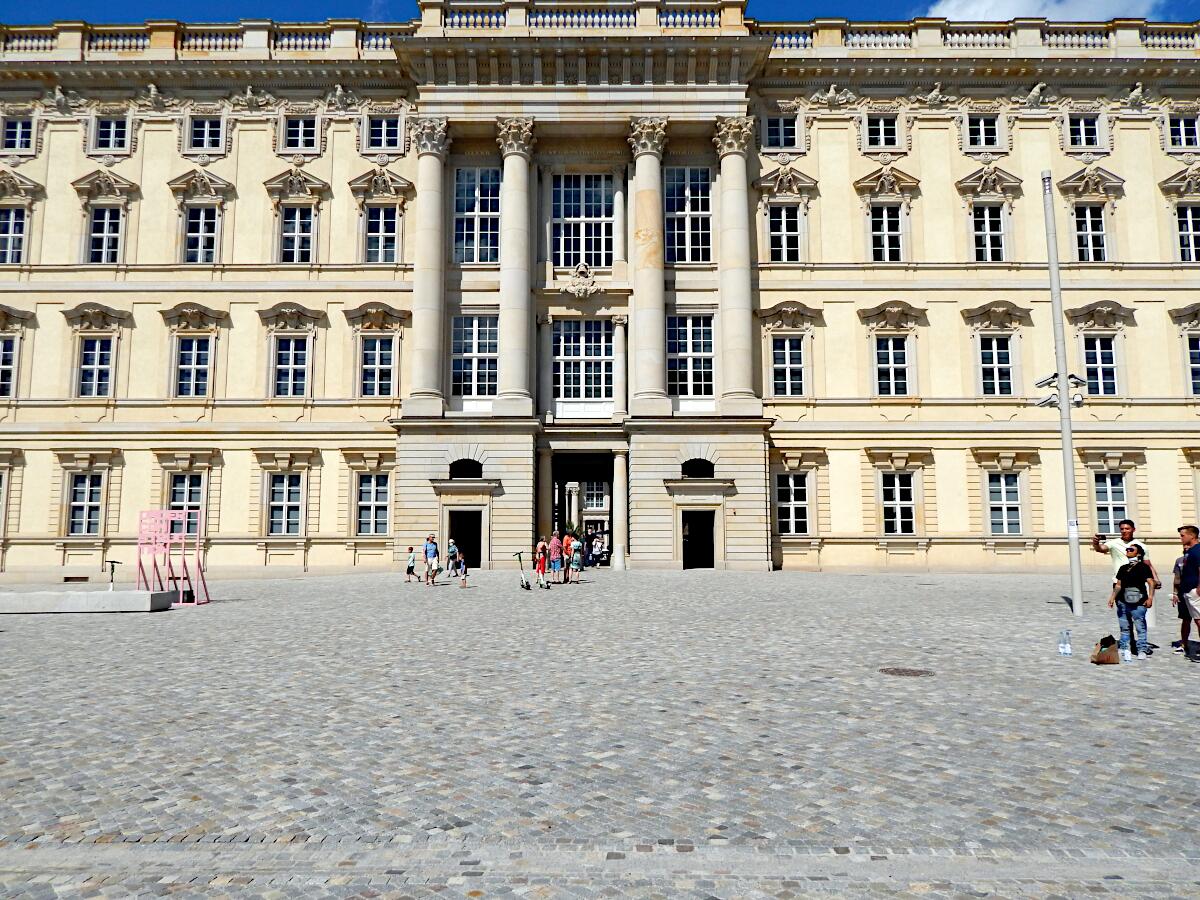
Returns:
point(698, 468)
point(466, 468)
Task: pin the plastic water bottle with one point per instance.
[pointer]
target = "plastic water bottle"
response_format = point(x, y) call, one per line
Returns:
point(1067, 643)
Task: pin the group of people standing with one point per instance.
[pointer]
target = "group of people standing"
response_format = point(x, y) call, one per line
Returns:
point(561, 560)
point(431, 562)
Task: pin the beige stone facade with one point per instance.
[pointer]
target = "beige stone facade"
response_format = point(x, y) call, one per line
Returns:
point(734, 293)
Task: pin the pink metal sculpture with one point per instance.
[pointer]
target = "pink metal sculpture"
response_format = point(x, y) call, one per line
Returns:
point(169, 558)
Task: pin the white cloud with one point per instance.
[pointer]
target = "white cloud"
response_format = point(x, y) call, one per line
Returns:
point(1055, 10)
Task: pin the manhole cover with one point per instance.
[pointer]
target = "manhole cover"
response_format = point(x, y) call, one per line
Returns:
point(906, 673)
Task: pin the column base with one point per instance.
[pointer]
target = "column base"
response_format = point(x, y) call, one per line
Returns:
point(424, 406)
point(617, 559)
point(741, 405)
point(513, 405)
point(651, 406)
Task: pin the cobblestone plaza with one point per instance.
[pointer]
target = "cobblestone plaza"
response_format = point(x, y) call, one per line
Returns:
point(658, 735)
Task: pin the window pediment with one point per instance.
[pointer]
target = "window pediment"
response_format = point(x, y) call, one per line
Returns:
point(14, 319)
point(285, 459)
point(1093, 183)
point(291, 317)
point(96, 317)
point(193, 317)
point(1187, 318)
point(999, 314)
point(1112, 459)
point(18, 188)
point(380, 184)
point(887, 183)
point(86, 460)
point(791, 316)
point(104, 186)
point(990, 183)
point(370, 460)
point(295, 185)
point(894, 315)
point(1101, 314)
point(375, 316)
point(200, 186)
point(899, 459)
point(1184, 183)
point(186, 460)
point(785, 183)
point(1005, 459)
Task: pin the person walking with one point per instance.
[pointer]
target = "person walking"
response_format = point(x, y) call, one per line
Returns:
point(556, 552)
point(1132, 596)
point(589, 538)
point(1189, 575)
point(432, 560)
point(452, 557)
point(541, 555)
point(1181, 607)
point(576, 569)
point(410, 567)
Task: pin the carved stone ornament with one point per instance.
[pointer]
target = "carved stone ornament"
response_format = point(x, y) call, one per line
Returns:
point(735, 134)
point(253, 101)
point(990, 183)
point(648, 135)
point(1187, 318)
point(96, 317)
point(887, 183)
point(893, 315)
point(340, 100)
point(101, 185)
point(620, 321)
point(786, 182)
point(14, 319)
point(999, 315)
point(380, 184)
point(63, 102)
point(1112, 459)
point(832, 98)
point(1101, 314)
point(287, 316)
point(791, 316)
point(198, 185)
point(430, 134)
point(18, 187)
point(376, 316)
point(370, 460)
point(1137, 98)
point(1093, 183)
point(1005, 459)
point(295, 184)
point(178, 460)
point(1184, 183)
point(152, 99)
point(934, 98)
point(193, 317)
point(899, 459)
point(285, 459)
point(1037, 97)
point(515, 135)
point(582, 282)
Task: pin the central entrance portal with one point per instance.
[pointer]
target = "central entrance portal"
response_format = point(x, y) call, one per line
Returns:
point(698, 526)
point(582, 498)
point(466, 527)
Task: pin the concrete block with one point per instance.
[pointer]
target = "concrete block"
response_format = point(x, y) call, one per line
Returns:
point(25, 602)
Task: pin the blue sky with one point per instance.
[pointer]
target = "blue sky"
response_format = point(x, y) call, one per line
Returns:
point(14, 12)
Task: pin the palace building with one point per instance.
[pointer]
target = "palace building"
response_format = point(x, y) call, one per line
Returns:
point(733, 293)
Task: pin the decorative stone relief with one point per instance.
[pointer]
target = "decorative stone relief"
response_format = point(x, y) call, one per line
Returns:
point(287, 316)
point(101, 185)
point(1093, 183)
point(340, 100)
point(934, 98)
point(1187, 318)
point(892, 315)
point(832, 97)
point(899, 459)
point(998, 315)
point(376, 316)
point(14, 319)
point(63, 102)
point(286, 459)
point(1117, 459)
point(515, 135)
point(295, 184)
point(735, 134)
point(1184, 183)
point(251, 101)
point(198, 185)
point(18, 188)
point(430, 134)
point(582, 282)
point(173, 460)
point(989, 183)
point(1006, 459)
point(1037, 97)
point(791, 316)
point(380, 184)
point(1137, 99)
point(151, 99)
point(95, 317)
point(787, 183)
point(1101, 314)
point(370, 460)
point(887, 183)
point(193, 317)
point(648, 135)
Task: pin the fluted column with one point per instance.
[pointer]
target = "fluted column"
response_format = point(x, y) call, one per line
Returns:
point(734, 137)
point(431, 138)
point(620, 369)
point(545, 495)
point(648, 137)
point(515, 137)
point(545, 366)
point(620, 508)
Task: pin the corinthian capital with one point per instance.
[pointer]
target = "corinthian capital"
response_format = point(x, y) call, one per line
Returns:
point(515, 135)
point(734, 134)
point(648, 135)
point(430, 134)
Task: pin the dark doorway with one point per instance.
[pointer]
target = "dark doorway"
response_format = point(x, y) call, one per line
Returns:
point(466, 527)
point(698, 538)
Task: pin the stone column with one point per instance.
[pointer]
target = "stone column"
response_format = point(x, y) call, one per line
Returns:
point(734, 137)
point(620, 370)
point(620, 508)
point(619, 228)
point(545, 364)
point(545, 494)
point(572, 504)
point(648, 137)
point(426, 347)
point(515, 137)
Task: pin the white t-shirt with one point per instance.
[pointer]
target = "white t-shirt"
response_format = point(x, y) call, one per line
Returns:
point(1116, 551)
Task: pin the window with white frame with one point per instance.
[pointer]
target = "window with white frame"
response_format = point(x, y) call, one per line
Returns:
point(382, 225)
point(583, 359)
point(690, 356)
point(987, 221)
point(110, 133)
point(186, 495)
point(1187, 215)
point(377, 364)
point(1193, 351)
point(791, 503)
point(983, 132)
point(477, 215)
point(200, 234)
point(687, 213)
point(12, 234)
point(372, 503)
point(780, 133)
point(898, 498)
point(285, 503)
point(85, 503)
point(1090, 243)
point(205, 133)
point(787, 365)
point(474, 356)
point(193, 358)
point(887, 243)
point(8, 365)
point(1111, 506)
point(1004, 503)
point(300, 133)
point(384, 133)
point(1185, 132)
point(1100, 364)
point(891, 365)
point(594, 495)
point(290, 366)
point(17, 134)
point(995, 365)
point(1083, 131)
point(785, 230)
point(106, 225)
point(95, 366)
point(581, 227)
point(883, 132)
point(296, 233)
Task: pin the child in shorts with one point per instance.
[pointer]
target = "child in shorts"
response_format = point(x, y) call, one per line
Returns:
point(410, 568)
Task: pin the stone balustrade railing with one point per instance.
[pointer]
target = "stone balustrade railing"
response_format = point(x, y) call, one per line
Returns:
point(790, 39)
point(118, 41)
point(878, 38)
point(977, 37)
point(476, 19)
point(571, 19)
point(220, 40)
point(1066, 37)
point(689, 18)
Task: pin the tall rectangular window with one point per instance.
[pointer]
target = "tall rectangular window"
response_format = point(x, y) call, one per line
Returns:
point(582, 220)
point(687, 198)
point(104, 238)
point(86, 503)
point(995, 365)
point(187, 495)
point(285, 503)
point(899, 502)
point(690, 356)
point(95, 366)
point(1194, 363)
point(300, 133)
point(1089, 232)
point(1100, 365)
point(886, 237)
point(983, 132)
point(882, 132)
point(988, 222)
point(594, 495)
point(204, 133)
point(8, 366)
point(1004, 502)
point(384, 133)
point(372, 503)
point(1185, 132)
point(200, 238)
point(291, 366)
point(17, 135)
point(192, 358)
point(1083, 131)
point(787, 365)
point(891, 365)
point(791, 503)
point(477, 215)
point(780, 133)
point(378, 365)
point(383, 234)
point(12, 235)
point(1110, 501)
point(783, 231)
point(583, 359)
point(474, 356)
point(111, 134)
point(1188, 217)
point(296, 234)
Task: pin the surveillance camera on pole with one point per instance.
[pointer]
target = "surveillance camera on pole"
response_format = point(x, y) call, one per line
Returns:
point(1076, 381)
point(1048, 381)
point(1048, 402)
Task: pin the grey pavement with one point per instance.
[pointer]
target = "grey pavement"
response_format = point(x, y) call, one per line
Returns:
point(646, 734)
